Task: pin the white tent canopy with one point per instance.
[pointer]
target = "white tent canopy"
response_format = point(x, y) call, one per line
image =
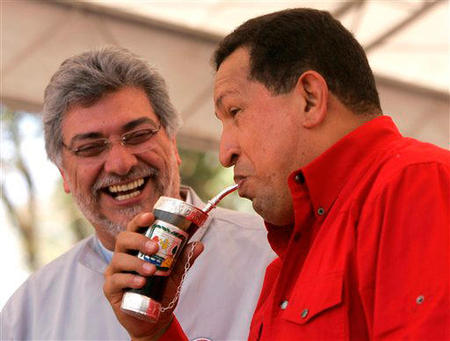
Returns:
point(407, 46)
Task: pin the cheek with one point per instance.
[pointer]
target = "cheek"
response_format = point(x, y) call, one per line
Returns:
point(157, 158)
point(272, 161)
point(82, 178)
point(263, 152)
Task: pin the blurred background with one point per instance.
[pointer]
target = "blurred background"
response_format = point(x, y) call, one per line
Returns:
point(407, 43)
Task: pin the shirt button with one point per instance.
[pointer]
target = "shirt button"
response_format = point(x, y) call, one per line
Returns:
point(420, 299)
point(305, 313)
point(320, 211)
point(299, 178)
point(284, 304)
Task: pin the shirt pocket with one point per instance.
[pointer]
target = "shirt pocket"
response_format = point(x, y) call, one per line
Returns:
point(317, 307)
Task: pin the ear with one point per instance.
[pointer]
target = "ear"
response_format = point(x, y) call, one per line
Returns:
point(65, 182)
point(314, 90)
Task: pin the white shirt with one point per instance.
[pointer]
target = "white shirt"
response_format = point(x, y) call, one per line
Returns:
point(64, 299)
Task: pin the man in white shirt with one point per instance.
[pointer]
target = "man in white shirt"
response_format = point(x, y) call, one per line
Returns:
point(110, 129)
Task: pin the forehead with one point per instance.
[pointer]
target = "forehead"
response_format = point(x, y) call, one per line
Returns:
point(108, 114)
point(232, 74)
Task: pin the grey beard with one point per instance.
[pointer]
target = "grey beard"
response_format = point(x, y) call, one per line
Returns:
point(110, 227)
point(89, 205)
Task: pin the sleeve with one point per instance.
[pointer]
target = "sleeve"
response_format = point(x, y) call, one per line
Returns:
point(174, 332)
point(15, 317)
point(406, 241)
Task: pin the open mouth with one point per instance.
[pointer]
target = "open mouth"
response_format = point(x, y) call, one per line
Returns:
point(126, 191)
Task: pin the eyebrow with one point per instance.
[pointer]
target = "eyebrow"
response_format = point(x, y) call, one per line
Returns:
point(127, 126)
point(219, 101)
point(137, 122)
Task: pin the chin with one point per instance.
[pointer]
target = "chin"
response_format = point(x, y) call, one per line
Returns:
point(259, 208)
point(118, 221)
point(277, 220)
point(273, 216)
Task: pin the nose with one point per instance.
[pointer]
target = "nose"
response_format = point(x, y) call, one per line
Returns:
point(229, 150)
point(119, 160)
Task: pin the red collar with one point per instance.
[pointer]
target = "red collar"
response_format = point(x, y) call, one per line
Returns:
point(325, 176)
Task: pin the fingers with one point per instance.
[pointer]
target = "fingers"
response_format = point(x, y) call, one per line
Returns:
point(127, 241)
point(115, 284)
point(140, 220)
point(117, 274)
point(122, 262)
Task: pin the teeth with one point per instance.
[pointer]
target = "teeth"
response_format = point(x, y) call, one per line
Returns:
point(126, 187)
point(127, 196)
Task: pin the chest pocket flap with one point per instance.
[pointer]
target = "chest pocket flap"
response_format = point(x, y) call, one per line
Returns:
point(314, 297)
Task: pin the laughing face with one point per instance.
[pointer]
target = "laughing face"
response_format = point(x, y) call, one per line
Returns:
point(112, 184)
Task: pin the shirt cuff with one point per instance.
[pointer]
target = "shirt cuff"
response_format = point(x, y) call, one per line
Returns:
point(174, 332)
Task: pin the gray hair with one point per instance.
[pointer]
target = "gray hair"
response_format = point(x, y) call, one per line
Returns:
point(83, 79)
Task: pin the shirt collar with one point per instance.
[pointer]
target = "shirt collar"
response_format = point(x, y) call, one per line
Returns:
point(325, 176)
point(107, 254)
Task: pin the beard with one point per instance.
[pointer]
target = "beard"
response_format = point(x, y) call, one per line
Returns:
point(163, 184)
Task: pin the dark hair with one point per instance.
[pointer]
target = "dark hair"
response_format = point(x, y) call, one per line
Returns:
point(85, 78)
point(284, 44)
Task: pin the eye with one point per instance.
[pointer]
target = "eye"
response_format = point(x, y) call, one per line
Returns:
point(139, 136)
point(91, 149)
point(234, 111)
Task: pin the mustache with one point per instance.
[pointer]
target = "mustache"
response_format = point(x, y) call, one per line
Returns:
point(135, 173)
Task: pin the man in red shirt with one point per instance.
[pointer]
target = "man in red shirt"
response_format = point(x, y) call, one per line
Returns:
point(358, 214)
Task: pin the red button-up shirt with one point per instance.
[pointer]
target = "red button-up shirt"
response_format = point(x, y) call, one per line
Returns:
point(368, 256)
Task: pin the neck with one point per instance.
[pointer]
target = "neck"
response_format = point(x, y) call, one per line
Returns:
point(339, 122)
point(107, 239)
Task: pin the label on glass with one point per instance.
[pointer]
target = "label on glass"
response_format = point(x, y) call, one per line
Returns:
point(171, 240)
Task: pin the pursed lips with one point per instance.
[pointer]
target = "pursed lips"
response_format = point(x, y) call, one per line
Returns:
point(239, 179)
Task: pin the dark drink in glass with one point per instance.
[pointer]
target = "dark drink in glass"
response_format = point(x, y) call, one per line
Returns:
point(175, 222)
